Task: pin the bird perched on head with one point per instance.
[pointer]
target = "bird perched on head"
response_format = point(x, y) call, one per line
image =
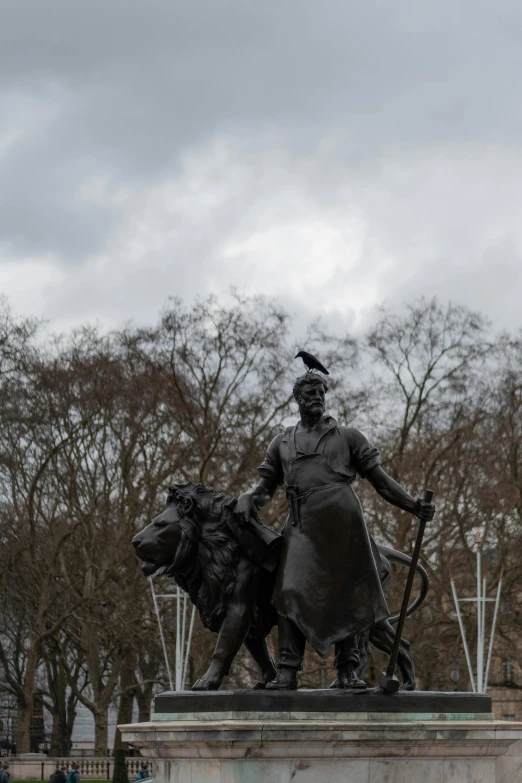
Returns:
point(311, 362)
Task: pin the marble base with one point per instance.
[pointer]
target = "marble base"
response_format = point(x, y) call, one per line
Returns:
point(333, 747)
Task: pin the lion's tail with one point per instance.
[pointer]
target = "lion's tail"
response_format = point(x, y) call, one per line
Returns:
point(399, 558)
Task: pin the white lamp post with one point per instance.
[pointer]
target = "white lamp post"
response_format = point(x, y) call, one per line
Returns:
point(479, 682)
point(183, 640)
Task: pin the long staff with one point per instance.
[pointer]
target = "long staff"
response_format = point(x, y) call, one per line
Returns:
point(388, 682)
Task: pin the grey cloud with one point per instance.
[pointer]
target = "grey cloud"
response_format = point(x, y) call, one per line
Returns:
point(280, 224)
point(153, 77)
point(128, 89)
point(40, 208)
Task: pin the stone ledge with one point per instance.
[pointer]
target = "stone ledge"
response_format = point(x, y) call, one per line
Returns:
point(352, 717)
point(235, 739)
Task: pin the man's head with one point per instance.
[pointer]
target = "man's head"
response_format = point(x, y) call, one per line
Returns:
point(5, 765)
point(309, 392)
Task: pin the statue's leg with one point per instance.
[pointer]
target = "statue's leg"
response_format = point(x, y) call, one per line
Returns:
point(382, 635)
point(257, 646)
point(359, 663)
point(235, 626)
point(347, 662)
point(365, 652)
point(291, 653)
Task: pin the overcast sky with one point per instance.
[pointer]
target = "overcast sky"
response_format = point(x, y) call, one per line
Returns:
point(332, 154)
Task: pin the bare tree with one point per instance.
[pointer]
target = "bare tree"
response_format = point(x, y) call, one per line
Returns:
point(94, 427)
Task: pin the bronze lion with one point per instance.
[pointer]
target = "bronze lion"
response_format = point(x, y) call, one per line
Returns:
point(228, 572)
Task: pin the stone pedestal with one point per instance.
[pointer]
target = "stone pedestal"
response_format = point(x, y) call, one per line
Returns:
point(347, 742)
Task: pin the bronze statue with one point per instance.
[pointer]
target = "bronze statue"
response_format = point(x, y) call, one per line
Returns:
point(227, 572)
point(322, 581)
point(328, 589)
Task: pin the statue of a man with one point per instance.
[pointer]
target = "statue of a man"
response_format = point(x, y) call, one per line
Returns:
point(328, 589)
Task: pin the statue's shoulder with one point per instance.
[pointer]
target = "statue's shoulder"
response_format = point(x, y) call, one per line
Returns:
point(349, 430)
point(276, 441)
point(353, 434)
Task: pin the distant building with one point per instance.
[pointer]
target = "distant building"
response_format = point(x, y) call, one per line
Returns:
point(7, 723)
point(8, 716)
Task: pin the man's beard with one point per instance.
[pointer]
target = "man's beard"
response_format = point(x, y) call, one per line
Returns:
point(312, 410)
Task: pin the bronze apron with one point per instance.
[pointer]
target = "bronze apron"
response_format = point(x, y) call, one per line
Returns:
point(327, 581)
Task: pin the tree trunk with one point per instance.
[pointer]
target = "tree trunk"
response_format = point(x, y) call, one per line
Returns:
point(124, 716)
point(149, 673)
point(61, 733)
point(101, 724)
point(23, 726)
point(26, 699)
point(127, 680)
point(57, 733)
point(144, 699)
point(69, 724)
point(63, 710)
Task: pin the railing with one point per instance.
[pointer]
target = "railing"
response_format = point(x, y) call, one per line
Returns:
point(89, 768)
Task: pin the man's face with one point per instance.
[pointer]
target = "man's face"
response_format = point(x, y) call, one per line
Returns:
point(312, 399)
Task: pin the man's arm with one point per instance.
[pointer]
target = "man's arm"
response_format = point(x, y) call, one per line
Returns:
point(258, 496)
point(391, 491)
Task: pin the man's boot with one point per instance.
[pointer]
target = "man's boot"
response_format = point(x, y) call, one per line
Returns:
point(347, 678)
point(347, 661)
point(285, 680)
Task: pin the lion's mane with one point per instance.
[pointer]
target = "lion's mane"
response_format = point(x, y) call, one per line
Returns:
point(205, 564)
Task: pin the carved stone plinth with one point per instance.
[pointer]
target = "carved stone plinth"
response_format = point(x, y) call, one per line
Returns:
point(242, 737)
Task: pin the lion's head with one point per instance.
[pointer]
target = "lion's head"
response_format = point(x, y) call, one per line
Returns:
point(191, 542)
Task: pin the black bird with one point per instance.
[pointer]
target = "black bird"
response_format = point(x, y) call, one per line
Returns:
point(311, 362)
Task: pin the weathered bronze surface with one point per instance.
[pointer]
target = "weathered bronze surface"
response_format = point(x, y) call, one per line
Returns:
point(328, 589)
point(321, 581)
